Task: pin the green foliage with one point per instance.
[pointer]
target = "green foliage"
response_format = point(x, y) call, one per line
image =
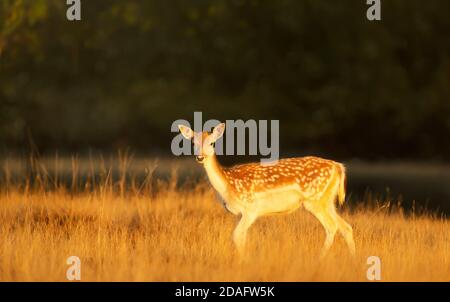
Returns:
point(339, 84)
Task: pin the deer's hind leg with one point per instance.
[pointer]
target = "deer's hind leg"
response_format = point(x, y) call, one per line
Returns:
point(346, 231)
point(323, 208)
point(328, 221)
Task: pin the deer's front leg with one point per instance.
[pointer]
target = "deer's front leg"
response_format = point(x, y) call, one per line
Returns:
point(240, 232)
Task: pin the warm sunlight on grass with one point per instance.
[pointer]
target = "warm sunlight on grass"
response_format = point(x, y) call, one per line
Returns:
point(158, 231)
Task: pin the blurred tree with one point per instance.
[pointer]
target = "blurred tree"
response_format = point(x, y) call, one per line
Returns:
point(16, 16)
point(338, 83)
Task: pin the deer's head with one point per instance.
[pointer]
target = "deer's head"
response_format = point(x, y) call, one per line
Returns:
point(203, 141)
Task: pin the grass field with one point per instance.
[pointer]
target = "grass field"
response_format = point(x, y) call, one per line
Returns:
point(155, 230)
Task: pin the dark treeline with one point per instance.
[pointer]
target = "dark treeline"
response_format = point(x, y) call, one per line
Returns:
point(338, 83)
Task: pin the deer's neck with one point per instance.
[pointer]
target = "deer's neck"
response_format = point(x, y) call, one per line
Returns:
point(215, 174)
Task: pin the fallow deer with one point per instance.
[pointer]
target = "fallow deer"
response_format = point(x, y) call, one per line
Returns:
point(254, 190)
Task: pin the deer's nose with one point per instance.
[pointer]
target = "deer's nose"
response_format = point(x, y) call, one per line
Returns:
point(199, 158)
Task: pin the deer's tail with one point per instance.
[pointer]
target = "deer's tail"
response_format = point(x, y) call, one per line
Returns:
point(342, 183)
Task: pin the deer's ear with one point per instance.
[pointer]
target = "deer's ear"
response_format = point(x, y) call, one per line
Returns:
point(186, 131)
point(218, 131)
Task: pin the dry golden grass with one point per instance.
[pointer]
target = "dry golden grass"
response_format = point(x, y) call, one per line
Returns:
point(141, 233)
